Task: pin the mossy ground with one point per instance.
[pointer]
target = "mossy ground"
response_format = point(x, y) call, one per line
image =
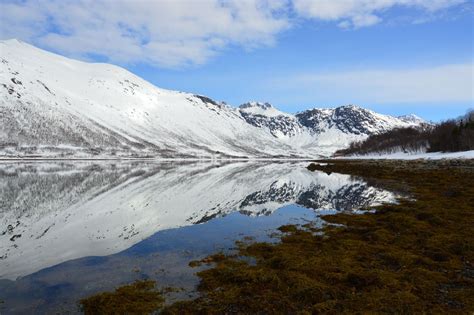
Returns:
point(413, 257)
point(140, 297)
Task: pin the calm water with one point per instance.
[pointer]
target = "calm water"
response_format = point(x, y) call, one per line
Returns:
point(69, 230)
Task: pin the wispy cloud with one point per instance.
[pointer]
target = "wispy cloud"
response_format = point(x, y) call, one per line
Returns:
point(176, 33)
point(362, 13)
point(166, 33)
point(446, 83)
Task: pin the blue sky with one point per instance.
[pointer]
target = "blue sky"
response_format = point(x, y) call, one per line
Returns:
point(393, 56)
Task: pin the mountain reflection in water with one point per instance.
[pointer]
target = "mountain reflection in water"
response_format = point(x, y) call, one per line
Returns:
point(63, 226)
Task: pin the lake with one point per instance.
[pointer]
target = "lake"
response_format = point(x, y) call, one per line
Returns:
point(72, 229)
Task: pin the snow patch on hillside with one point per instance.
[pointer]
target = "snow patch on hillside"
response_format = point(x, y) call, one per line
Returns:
point(263, 109)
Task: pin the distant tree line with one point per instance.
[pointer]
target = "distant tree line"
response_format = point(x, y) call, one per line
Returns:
point(448, 136)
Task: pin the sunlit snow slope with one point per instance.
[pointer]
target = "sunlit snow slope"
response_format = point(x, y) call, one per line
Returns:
point(52, 106)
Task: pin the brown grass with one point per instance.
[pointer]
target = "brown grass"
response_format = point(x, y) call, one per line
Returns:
point(140, 297)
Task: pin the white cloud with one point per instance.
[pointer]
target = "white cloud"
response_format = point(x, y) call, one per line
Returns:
point(446, 83)
point(362, 13)
point(176, 33)
point(165, 33)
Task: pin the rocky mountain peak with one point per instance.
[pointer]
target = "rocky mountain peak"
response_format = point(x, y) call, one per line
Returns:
point(253, 104)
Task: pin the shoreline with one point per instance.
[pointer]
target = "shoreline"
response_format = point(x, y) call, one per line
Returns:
point(435, 156)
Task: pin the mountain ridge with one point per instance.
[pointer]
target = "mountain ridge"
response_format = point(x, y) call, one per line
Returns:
point(56, 107)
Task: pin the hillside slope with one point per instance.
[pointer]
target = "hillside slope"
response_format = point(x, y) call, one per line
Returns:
point(52, 106)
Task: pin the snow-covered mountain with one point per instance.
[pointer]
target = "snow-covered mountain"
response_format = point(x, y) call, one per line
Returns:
point(412, 118)
point(111, 206)
point(323, 131)
point(263, 115)
point(52, 106)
